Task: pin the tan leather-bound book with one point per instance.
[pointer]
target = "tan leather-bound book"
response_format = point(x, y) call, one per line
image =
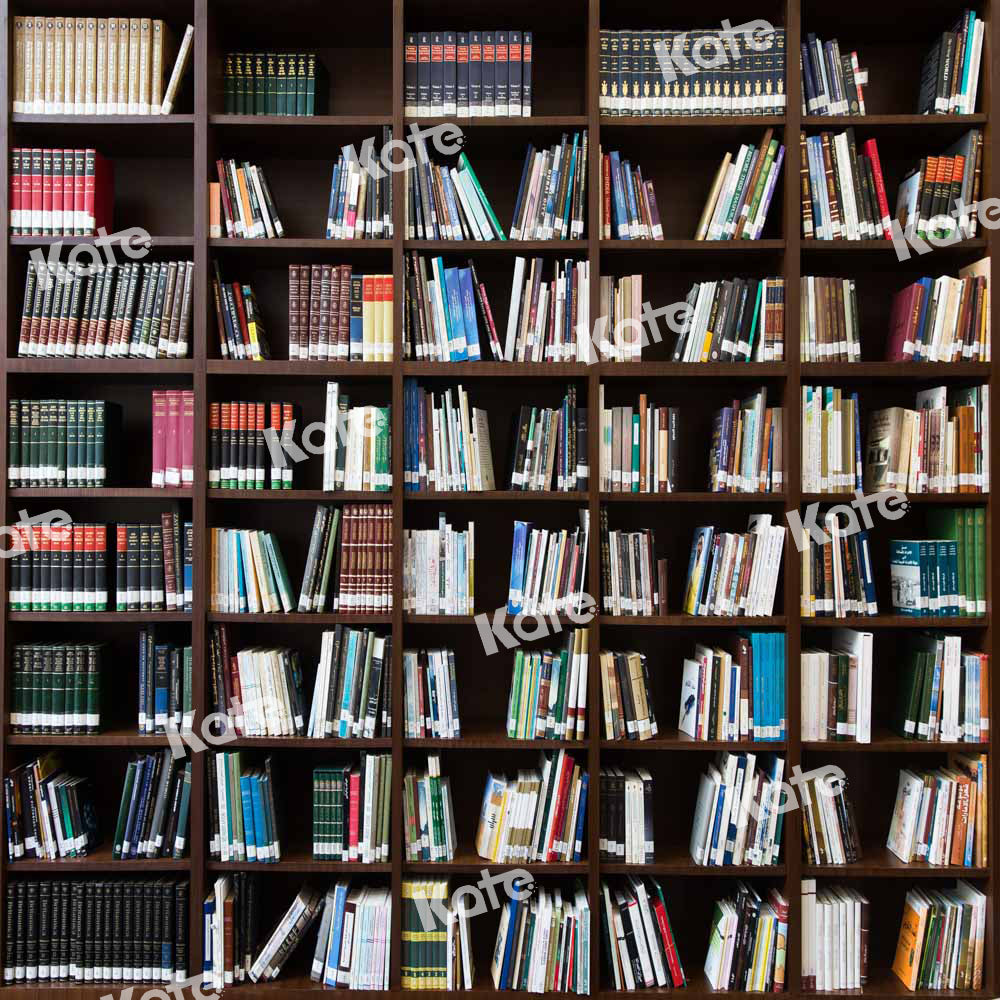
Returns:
point(19, 61)
point(123, 58)
point(50, 65)
point(101, 68)
point(177, 73)
point(58, 67)
point(69, 66)
point(90, 70)
point(145, 62)
point(111, 68)
point(163, 52)
point(28, 65)
point(80, 59)
point(133, 65)
point(38, 68)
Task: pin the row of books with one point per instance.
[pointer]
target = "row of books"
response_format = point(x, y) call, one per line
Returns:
point(741, 192)
point(942, 446)
point(628, 566)
point(239, 322)
point(438, 959)
point(843, 190)
point(360, 204)
point(736, 817)
point(746, 453)
point(837, 575)
point(628, 203)
point(229, 946)
point(166, 687)
point(698, 72)
point(60, 192)
point(447, 442)
point(940, 815)
point(236, 445)
point(832, 81)
point(351, 810)
point(548, 691)
point(467, 74)
point(836, 937)
point(66, 942)
point(173, 438)
point(728, 696)
point(550, 451)
point(829, 321)
point(243, 818)
point(619, 335)
point(538, 815)
point(829, 824)
point(241, 199)
point(155, 808)
point(949, 75)
point(742, 319)
point(748, 942)
point(273, 83)
point(248, 573)
point(552, 196)
point(439, 569)
point(640, 447)
point(97, 65)
point(337, 315)
point(430, 695)
point(734, 573)
point(56, 687)
point(357, 455)
point(444, 309)
point(830, 433)
point(548, 568)
point(837, 689)
point(428, 813)
point(448, 203)
point(625, 823)
point(59, 442)
point(106, 310)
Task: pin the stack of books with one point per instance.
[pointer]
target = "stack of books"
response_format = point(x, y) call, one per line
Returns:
point(548, 320)
point(244, 822)
point(448, 203)
point(832, 80)
point(247, 573)
point(837, 575)
point(60, 192)
point(837, 689)
point(949, 77)
point(447, 968)
point(628, 203)
point(830, 827)
point(640, 447)
point(70, 674)
point(438, 570)
point(238, 320)
point(626, 696)
point(548, 568)
point(273, 83)
point(550, 451)
point(831, 440)
point(173, 438)
point(242, 199)
point(633, 579)
point(360, 205)
point(166, 689)
point(230, 945)
point(154, 809)
point(619, 333)
point(626, 820)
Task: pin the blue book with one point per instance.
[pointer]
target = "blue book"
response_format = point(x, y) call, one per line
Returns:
point(143, 667)
point(241, 583)
point(515, 596)
point(621, 228)
point(469, 314)
point(250, 840)
point(456, 320)
point(357, 323)
point(261, 826)
point(508, 947)
point(451, 197)
point(921, 332)
point(626, 179)
point(334, 177)
point(345, 705)
point(566, 207)
point(208, 911)
point(580, 824)
point(866, 569)
point(952, 561)
point(333, 952)
point(529, 160)
point(143, 807)
point(133, 809)
point(716, 825)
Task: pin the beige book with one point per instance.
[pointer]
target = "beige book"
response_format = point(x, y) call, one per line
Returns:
point(163, 51)
point(123, 56)
point(38, 70)
point(133, 66)
point(145, 62)
point(177, 74)
point(90, 66)
point(50, 65)
point(79, 64)
point(58, 69)
point(102, 66)
point(111, 69)
point(19, 64)
point(69, 66)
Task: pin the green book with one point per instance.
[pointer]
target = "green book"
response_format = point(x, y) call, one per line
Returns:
point(280, 79)
point(183, 810)
point(463, 163)
point(301, 73)
point(259, 83)
point(13, 442)
point(60, 439)
point(123, 809)
point(278, 567)
point(979, 557)
point(311, 84)
point(271, 83)
point(58, 686)
point(92, 689)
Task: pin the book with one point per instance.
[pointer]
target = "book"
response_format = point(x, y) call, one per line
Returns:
point(629, 209)
point(428, 813)
point(837, 576)
point(830, 434)
point(153, 947)
point(745, 455)
point(832, 85)
point(439, 569)
point(127, 310)
point(246, 204)
point(734, 696)
point(548, 568)
point(619, 334)
point(360, 202)
point(748, 941)
point(949, 74)
point(829, 323)
point(165, 690)
point(837, 689)
point(155, 808)
point(836, 919)
point(548, 691)
point(552, 194)
point(56, 687)
point(626, 819)
point(430, 695)
point(438, 958)
point(292, 83)
point(288, 933)
point(738, 319)
point(733, 573)
point(647, 72)
point(741, 193)
point(640, 446)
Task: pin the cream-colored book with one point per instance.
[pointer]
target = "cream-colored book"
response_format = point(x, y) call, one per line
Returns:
point(90, 86)
point(177, 74)
point(145, 62)
point(58, 68)
point(19, 64)
point(101, 70)
point(69, 62)
point(163, 50)
point(133, 66)
point(123, 57)
point(111, 69)
point(38, 68)
point(50, 65)
point(387, 319)
point(80, 64)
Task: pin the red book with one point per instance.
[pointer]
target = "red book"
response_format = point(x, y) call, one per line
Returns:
point(241, 315)
point(287, 418)
point(352, 830)
point(69, 193)
point(89, 224)
point(236, 693)
point(57, 192)
point(187, 437)
point(227, 206)
point(669, 945)
point(36, 192)
point(79, 192)
point(558, 805)
point(47, 192)
point(871, 151)
point(903, 319)
point(159, 437)
point(172, 464)
point(103, 193)
point(15, 192)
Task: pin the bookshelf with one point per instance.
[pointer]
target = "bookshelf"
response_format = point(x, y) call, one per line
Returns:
point(163, 167)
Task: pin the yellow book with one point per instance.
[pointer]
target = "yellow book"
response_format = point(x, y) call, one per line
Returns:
point(387, 324)
point(906, 964)
point(249, 225)
point(368, 305)
point(378, 319)
point(28, 65)
point(50, 65)
point(111, 68)
point(80, 66)
point(162, 49)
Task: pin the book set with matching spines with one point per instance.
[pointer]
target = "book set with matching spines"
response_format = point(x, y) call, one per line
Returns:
point(173, 438)
point(60, 192)
point(441, 958)
point(97, 65)
point(61, 567)
point(128, 310)
point(832, 79)
point(714, 71)
point(274, 83)
point(155, 808)
point(468, 74)
point(238, 454)
point(351, 810)
point(96, 930)
point(56, 687)
point(154, 565)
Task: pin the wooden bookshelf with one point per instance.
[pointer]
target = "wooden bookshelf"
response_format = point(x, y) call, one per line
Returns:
point(163, 168)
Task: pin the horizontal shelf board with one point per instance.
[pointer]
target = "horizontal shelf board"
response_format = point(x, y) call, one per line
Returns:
point(299, 618)
point(322, 496)
point(675, 369)
point(527, 496)
point(101, 492)
point(20, 118)
point(860, 121)
point(880, 862)
point(693, 496)
point(112, 738)
point(884, 246)
point(886, 741)
point(694, 121)
point(99, 861)
point(309, 121)
point(343, 369)
point(512, 246)
point(297, 243)
point(897, 621)
point(97, 616)
point(100, 366)
point(473, 369)
point(681, 741)
point(695, 621)
point(694, 245)
point(922, 370)
point(44, 241)
point(307, 743)
point(540, 121)
point(299, 863)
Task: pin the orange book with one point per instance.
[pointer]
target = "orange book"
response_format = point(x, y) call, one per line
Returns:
point(250, 225)
point(906, 964)
point(214, 210)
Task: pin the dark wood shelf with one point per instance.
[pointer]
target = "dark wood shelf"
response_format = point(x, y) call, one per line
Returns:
point(688, 246)
point(305, 121)
point(490, 246)
point(320, 496)
point(299, 618)
point(694, 121)
point(100, 366)
point(70, 241)
point(897, 621)
point(166, 121)
point(124, 617)
point(99, 861)
point(893, 370)
point(326, 369)
point(101, 492)
point(931, 499)
point(534, 121)
point(693, 496)
point(908, 121)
